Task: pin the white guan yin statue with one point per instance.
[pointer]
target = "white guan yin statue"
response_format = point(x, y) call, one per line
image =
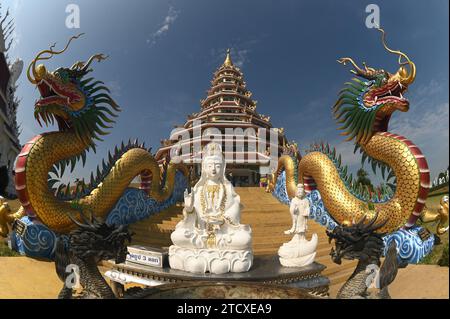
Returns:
point(210, 238)
point(299, 251)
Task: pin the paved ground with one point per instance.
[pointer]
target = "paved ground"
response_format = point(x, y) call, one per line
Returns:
point(22, 277)
point(417, 282)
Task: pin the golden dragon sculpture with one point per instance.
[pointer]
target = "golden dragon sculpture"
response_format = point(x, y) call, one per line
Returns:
point(439, 216)
point(83, 110)
point(363, 109)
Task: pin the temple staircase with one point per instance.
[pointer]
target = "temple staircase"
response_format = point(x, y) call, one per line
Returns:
point(268, 219)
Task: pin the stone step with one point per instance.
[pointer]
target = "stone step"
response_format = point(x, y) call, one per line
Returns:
point(260, 237)
point(252, 220)
point(256, 233)
point(272, 244)
point(268, 219)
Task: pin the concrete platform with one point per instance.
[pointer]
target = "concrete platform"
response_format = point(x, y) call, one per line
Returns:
point(265, 269)
point(25, 278)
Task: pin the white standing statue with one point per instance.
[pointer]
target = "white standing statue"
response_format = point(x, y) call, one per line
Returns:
point(210, 238)
point(299, 251)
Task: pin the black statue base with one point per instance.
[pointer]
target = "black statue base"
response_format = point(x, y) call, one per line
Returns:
point(265, 270)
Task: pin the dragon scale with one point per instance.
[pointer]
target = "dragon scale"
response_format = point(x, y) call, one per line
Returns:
point(363, 109)
point(316, 170)
point(83, 110)
point(42, 152)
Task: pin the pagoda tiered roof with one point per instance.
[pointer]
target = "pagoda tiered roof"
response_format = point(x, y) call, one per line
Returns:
point(228, 104)
point(228, 99)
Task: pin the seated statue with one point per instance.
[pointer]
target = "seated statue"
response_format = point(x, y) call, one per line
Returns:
point(210, 238)
point(298, 252)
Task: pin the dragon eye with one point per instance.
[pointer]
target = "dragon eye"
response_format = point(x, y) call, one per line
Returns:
point(380, 80)
point(62, 74)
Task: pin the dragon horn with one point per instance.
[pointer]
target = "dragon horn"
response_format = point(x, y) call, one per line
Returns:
point(405, 78)
point(92, 218)
point(83, 226)
point(99, 57)
point(366, 73)
point(379, 225)
point(51, 53)
point(373, 220)
point(372, 226)
point(361, 221)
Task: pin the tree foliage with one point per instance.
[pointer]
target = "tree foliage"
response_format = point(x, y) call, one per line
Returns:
point(362, 177)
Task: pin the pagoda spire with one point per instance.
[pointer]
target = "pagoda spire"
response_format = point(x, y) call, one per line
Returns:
point(228, 61)
point(228, 105)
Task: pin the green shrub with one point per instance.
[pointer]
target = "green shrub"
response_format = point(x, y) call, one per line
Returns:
point(6, 252)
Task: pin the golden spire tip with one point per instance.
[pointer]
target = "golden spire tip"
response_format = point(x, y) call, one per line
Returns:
point(228, 61)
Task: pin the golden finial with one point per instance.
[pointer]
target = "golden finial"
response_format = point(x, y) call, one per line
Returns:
point(228, 61)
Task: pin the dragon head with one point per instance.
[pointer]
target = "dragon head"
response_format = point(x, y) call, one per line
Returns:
point(98, 240)
point(76, 103)
point(366, 104)
point(357, 241)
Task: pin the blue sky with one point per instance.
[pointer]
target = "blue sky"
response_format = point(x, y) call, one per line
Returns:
point(163, 54)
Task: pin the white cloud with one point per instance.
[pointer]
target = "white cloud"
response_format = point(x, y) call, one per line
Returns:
point(241, 57)
point(353, 160)
point(240, 51)
point(114, 87)
point(432, 122)
point(238, 56)
point(429, 130)
point(430, 89)
point(172, 15)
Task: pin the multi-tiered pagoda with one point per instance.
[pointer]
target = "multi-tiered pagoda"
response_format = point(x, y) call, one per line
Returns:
point(229, 111)
point(9, 129)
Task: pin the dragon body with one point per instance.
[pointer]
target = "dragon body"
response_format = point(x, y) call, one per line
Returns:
point(345, 204)
point(363, 109)
point(83, 111)
point(40, 155)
